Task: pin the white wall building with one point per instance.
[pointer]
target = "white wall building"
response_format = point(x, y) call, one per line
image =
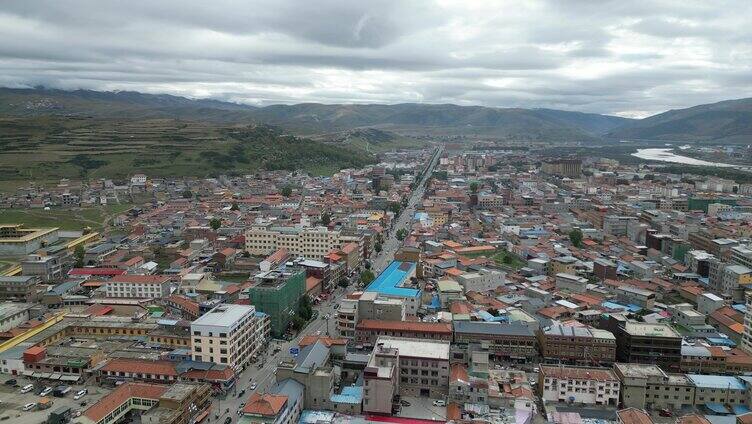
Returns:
point(227, 335)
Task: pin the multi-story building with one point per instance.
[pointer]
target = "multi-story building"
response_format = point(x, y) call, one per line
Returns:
point(138, 286)
point(282, 405)
point(347, 317)
point(422, 367)
point(17, 288)
point(645, 343)
point(368, 330)
point(616, 225)
point(48, 268)
point(577, 345)
point(225, 335)
point(648, 386)
point(571, 283)
point(571, 168)
point(277, 293)
point(505, 341)
point(589, 386)
point(746, 339)
point(635, 296)
point(312, 242)
point(15, 240)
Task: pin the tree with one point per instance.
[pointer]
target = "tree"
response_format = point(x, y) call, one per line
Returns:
point(297, 323)
point(493, 311)
point(234, 207)
point(405, 201)
point(377, 247)
point(187, 194)
point(401, 234)
point(286, 191)
point(507, 259)
point(326, 219)
point(575, 236)
point(366, 277)
point(395, 207)
point(79, 253)
point(215, 223)
point(474, 187)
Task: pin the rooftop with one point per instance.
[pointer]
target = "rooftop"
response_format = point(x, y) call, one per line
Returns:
point(224, 315)
point(650, 330)
point(390, 281)
point(575, 373)
point(417, 348)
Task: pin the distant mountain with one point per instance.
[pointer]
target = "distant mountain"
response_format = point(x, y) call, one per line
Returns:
point(728, 121)
point(313, 118)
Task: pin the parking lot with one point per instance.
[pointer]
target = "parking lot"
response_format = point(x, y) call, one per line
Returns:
point(422, 408)
point(12, 401)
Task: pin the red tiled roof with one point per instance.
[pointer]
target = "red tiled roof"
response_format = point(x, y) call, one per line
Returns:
point(120, 395)
point(267, 405)
point(327, 341)
point(140, 367)
point(634, 416)
point(418, 327)
point(96, 271)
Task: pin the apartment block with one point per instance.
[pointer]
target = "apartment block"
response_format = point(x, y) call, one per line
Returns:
point(505, 341)
point(138, 286)
point(648, 386)
point(368, 331)
point(577, 345)
point(589, 386)
point(225, 335)
point(312, 242)
point(277, 293)
point(645, 343)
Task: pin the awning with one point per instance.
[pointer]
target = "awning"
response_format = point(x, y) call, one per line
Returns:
point(55, 376)
point(28, 373)
point(717, 408)
point(69, 377)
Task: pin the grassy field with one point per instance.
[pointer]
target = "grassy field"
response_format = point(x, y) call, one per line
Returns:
point(66, 219)
point(502, 257)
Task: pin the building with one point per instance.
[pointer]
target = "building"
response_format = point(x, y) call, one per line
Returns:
point(571, 168)
point(314, 243)
point(422, 367)
point(577, 345)
point(15, 240)
point(277, 293)
point(571, 283)
point(13, 314)
point(138, 286)
point(588, 386)
point(367, 331)
point(19, 288)
point(708, 303)
point(746, 339)
point(226, 335)
point(645, 343)
point(395, 282)
point(312, 369)
point(630, 295)
point(181, 403)
point(648, 386)
point(48, 268)
point(505, 341)
point(283, 404)
point(726, 390)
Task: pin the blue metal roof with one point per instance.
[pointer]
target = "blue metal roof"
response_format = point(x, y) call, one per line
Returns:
point(350, 394)
point(389, 281)
point(717, 382)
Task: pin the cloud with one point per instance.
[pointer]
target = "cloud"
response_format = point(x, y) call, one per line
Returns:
point(611, 56)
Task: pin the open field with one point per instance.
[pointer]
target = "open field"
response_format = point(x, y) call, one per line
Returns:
point(66, 219)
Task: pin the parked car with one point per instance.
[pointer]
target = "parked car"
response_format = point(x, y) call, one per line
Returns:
point(404, 403)
point(228, 420)
point(253, 386)
point(241, 393)
point(11, 382)
point(27, 388)
point(439, 403)
point(80, 394)
point(665, 413)
point(29, 406)
point(47, 390)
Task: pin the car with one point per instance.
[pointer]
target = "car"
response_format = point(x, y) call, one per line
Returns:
point(47, 390)
point(241, 393)
point(240, 412)
point(242, 404)
point(253, 386)
point(665, 413)
point(80, 394)
point(29, 406)
point(228, 420)
point(404, 403)
point(83, 403)
point(439, 403)
point(536, 369)
point(27, 388)
point(11, 382)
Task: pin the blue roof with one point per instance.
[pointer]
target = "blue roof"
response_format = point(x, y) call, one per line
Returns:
point(716, 408)
point(740, 409)
point(260, 314)
point(388, 282)
point(721, 341)
point(633, 308)
point(740, 307)
point(435, 302)
point(485, 316)
point(613, 305)
point(717, 382)
point(350, 394)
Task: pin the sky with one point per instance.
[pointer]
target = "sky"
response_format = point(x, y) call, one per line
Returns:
point(629, 58)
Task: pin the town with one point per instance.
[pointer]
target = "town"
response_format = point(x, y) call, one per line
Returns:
point(445, 284)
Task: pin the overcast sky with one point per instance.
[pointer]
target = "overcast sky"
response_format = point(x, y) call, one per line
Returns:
point(625, 57)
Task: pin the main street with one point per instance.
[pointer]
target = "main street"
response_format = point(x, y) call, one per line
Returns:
point(264, 377)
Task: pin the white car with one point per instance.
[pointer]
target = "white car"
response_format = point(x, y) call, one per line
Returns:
point(439, 403)
point(80, 394)
point(47, 390)
point(27, 388)
point(253, 386)
point(29, 406)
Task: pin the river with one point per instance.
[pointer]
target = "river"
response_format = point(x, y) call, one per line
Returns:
point(666, 155)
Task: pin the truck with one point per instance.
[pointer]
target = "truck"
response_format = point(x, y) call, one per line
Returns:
point(61, 391)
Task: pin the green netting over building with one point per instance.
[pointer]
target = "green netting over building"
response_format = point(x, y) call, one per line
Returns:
point(277, 293)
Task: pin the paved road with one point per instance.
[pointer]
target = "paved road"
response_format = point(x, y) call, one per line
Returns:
point(265, 377)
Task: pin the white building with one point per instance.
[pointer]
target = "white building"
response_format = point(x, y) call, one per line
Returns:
point(228, 335)
point(314, 243)
point(138, 286)
point(591, 386)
